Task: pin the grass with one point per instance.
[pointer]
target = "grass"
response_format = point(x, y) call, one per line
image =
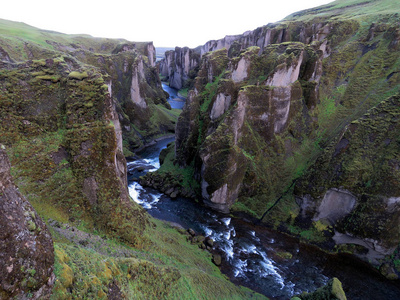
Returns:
point(183, 92)
point(171, 268)
point(345, 9)
point(14, 34)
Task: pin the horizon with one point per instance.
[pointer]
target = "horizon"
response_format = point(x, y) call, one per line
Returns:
point(169, 26)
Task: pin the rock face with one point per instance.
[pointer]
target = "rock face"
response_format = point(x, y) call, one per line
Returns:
point(130, 68)
point(72, 111)
point(177, 66)
point(311, 105)
point(26, 246)
point(359, 176)
point(267, 35)
point(229, 112)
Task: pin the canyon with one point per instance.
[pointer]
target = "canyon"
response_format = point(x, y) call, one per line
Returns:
point(292, 123)
point(292, 126)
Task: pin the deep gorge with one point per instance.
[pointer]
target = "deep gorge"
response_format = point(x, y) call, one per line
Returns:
point(289, 135)
point(252, 255)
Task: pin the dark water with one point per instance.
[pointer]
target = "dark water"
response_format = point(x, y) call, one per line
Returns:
point(273, 264)
point(175, 100)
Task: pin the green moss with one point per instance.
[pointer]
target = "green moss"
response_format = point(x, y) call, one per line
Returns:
point(78, 75)
point(332, 290)
point(169, 268)
point(185, 175)
point(49, 77)
point(31, 226)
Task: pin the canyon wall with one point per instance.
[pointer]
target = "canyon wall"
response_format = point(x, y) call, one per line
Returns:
point(179, 66)
point(130, 68)
point(71, 108)
point(67, 114)
point(298, 130)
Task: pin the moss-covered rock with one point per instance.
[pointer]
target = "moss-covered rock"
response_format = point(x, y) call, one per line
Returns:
point(331, 291)
point(64, 140)
point(363, 162)
point(26, 246)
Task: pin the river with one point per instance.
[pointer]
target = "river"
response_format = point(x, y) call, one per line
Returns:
point(174, 99)
point(268, 262)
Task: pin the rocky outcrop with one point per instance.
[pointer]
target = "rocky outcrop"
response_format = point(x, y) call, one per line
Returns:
point(270, 34)
point(84, 162)
point(4, 56)
point(179, 66)
point(137, 76)
point(150, 52)
point(130, 67)
point(354, 185)
point(228, 112)
point(26, 246)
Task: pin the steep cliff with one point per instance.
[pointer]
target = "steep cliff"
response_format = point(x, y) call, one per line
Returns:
point(65, 141)
point(353, 187)
point(26, 246)
point(179, 67)
point(264, 119)
point(129, 67)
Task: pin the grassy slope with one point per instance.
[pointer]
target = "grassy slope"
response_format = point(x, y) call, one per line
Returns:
point(345, 9)
point(15, 34)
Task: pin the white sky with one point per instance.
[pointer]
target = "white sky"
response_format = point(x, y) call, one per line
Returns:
point(167, 23)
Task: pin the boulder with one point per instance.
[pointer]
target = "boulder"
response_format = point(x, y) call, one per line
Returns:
point(191, 232)
point(331, 291)
point(388, 271)
point(209, 242)
point(217, 259)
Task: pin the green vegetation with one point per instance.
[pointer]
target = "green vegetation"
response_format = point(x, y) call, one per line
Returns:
point(184, 177)
point(170, 268)
point(344, 9)
point(77, 75)
point(183, 92)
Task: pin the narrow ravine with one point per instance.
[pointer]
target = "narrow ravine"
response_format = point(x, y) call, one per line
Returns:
point(268, 262)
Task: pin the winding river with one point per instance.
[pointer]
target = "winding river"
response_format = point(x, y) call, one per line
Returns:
point(268, 262)
point(174, 99)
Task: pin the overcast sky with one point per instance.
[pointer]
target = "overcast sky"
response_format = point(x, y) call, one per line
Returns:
point(167, 23)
